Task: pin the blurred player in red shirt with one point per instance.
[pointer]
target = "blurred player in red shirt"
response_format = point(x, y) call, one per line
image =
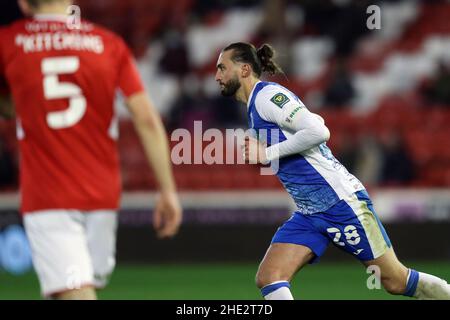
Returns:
point(62, 78)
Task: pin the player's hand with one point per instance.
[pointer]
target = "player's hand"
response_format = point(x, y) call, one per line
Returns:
point(168, 215)
point(254, 151)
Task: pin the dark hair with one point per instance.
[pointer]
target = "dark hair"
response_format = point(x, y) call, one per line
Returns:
point(260, 59)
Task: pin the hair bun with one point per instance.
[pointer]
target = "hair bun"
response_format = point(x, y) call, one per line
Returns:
point(265, 52)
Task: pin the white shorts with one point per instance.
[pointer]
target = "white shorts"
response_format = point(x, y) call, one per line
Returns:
point(71, 248)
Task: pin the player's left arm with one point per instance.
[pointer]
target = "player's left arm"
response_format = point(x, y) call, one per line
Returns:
point(148, 124)
point(167, 215)
point(309, 131)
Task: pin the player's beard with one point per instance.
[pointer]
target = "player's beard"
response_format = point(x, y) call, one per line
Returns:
point(229, 88)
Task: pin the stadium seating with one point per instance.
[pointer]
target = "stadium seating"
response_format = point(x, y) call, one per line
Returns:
point(419, 34)
point(424, 131)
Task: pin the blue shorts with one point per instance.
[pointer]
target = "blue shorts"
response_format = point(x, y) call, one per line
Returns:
point(352, 225)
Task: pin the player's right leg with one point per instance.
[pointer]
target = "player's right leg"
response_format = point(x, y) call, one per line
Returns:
point(60, 253)
point(296, 243)
point(279, 265)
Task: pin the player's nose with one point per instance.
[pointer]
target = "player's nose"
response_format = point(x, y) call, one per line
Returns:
point(217, 77)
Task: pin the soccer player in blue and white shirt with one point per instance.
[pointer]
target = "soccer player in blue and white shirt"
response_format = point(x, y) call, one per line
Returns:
point(333, 205)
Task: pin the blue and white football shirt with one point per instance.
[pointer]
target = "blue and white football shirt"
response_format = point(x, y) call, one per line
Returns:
point(314, 178)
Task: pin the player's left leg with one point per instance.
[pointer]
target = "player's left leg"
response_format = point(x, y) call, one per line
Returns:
point(366, 238)
point(393, 274)
point(84, 293)
point(101, 231)
point(399, 280)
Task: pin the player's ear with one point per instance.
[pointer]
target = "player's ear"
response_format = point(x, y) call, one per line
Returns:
point(246, 71)
point(25, 7)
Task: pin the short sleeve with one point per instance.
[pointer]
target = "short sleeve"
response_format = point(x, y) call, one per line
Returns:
point(129, 79)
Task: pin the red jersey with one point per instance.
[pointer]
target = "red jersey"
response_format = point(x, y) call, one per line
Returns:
point(63, 83)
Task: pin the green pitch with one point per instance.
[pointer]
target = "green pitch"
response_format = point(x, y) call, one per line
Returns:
point(223, 281)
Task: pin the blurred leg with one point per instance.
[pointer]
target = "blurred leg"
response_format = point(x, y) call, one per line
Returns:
point(60, 254)
point(84, 293)
point(101, 230)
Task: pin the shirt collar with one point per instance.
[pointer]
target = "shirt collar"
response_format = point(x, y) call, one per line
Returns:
point(251, 94)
